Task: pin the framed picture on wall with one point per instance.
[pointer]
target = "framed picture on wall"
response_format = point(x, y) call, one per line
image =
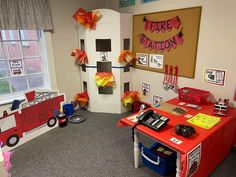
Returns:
point(214, 76)
point(146, 1)
point(126, 3)
point(142, 59)
point(156, 61)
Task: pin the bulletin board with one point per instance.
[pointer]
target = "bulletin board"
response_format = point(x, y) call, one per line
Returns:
point(170, 37)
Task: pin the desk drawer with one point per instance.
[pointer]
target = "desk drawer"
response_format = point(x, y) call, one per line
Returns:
point(159, 158)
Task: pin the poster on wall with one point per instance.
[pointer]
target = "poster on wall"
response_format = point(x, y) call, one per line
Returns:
point(16, 67)
point(193, 160)
point(145, 89)
point(142, 59)
point(104, 56)
point(126, 3)
point(156, 61)
point(145, 1)
point(214, 76)
point(157, 99)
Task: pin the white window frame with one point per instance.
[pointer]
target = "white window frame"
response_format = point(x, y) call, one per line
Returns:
point(5, 99)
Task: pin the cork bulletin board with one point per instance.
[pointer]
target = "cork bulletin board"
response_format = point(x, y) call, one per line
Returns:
point(167, 38)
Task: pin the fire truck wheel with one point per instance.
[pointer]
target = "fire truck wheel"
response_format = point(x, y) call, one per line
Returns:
point(12, 140)
point(52, 122)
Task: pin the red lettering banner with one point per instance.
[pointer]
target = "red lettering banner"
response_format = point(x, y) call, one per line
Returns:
point(161, 45)
point(162, 26)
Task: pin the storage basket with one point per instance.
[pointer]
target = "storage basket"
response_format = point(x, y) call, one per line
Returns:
point(194, 96)
point(160, 163)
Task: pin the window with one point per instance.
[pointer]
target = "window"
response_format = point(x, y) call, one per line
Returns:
point(23, 65)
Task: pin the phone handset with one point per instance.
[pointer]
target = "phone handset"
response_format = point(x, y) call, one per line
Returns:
point(145, 115)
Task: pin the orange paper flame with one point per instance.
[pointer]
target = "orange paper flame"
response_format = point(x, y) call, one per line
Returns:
point(87, 19)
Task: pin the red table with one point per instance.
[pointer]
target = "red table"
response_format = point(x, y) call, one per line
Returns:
point(215, 143)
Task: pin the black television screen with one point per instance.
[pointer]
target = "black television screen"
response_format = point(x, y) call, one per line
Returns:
point(103, 45)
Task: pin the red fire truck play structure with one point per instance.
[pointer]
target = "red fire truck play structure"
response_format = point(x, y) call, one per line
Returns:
point(42, 109)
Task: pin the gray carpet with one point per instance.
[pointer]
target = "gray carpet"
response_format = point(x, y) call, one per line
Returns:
point(94, 148)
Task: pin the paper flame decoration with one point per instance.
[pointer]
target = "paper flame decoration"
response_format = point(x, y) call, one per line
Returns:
point(129, 97)
point(80, 56)
point(87, 19)
point(82, 98)
point(104, 79)
point(126, 56)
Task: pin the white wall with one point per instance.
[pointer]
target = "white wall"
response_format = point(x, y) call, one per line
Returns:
point(65, 39)
point(216, 46)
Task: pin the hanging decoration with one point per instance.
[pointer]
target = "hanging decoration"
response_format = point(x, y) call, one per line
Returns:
point(165, 81)
point(175, 80)
point(129, 97)
point(87, 19)
point(161, 45)
point(80, 56)
point(235, 96)
point(161, 26)
point(171, 81)
point(104, 79)
point(170, 78)
point(82, 99)
point(126, 56)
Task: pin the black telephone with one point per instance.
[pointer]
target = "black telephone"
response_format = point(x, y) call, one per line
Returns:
point(153, 120)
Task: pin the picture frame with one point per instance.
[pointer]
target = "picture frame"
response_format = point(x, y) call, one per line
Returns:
point(147, 1)
point(126, 3)
point(156, 61)
point(142, 59)
point(214, 76)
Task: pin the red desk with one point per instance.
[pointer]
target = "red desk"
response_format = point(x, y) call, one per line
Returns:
point(215, 142)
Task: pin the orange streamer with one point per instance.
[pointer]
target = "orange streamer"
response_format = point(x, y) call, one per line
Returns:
point(87, 19)
point(126, 56)
point(80, 56)
point(82, 98)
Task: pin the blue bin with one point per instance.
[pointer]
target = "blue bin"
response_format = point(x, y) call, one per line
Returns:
point(68, 109)
point(162, 164)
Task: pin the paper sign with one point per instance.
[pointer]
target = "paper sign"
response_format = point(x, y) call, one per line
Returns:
point(142, 59)
point(156, 61)
point(145, 89)
point(156, 99)
point(16, 67)
point(193, 160)
point(176, 141)
point(214, 76)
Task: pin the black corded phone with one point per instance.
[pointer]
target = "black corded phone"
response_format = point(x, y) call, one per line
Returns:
point(153, 120)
